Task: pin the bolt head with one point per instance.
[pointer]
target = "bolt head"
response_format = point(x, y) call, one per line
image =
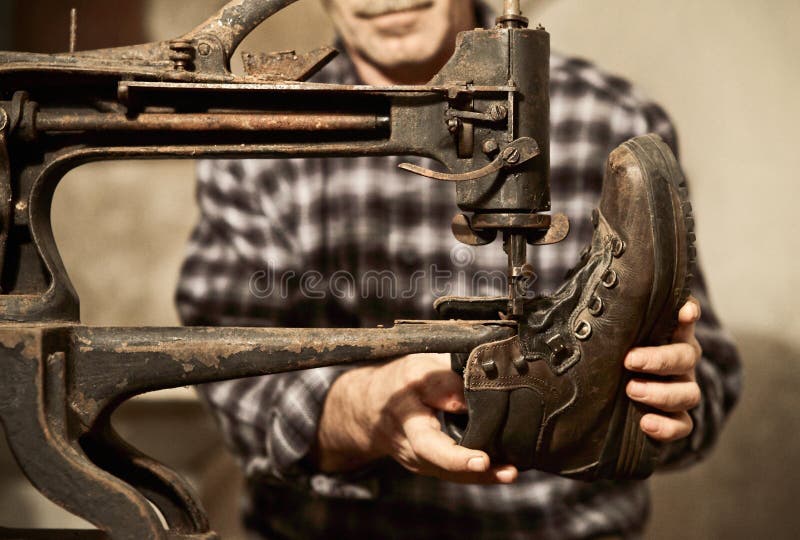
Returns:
point(511, 154)
point(489, 146)
point(204, 49)
point(498, 112)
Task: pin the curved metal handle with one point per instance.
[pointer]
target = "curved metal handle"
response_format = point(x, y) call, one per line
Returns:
point(236, 19)
point(516, 153)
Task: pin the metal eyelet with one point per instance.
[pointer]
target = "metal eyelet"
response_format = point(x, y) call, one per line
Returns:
point(583, 330)
point(558, 358)
point(521, 364)
point(560, 353)
point(596, 305)
point(489, 367)
point(617, 246)
point(610, 279)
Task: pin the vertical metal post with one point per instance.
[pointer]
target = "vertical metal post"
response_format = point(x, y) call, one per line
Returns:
point(511, 7)
point(73, 29)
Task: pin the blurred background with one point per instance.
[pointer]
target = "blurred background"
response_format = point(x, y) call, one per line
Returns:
point(728, 73)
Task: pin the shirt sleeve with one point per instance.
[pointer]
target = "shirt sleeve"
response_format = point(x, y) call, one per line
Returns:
point(719, 370)
point(270, 422)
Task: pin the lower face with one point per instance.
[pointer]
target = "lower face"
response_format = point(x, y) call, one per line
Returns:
point(394, 33)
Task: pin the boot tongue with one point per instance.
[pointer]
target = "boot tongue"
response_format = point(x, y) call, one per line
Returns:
point(545, 332)
point(540, 311)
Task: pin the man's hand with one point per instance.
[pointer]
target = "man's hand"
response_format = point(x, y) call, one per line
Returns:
point(677, 391)
point(390, 410)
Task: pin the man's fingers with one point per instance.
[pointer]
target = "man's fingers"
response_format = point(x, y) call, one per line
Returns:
point(443, 390)
point(688, 316)
point(423, 449)
point(670, 396)
point(672, 359)
point(496, 475)
point(667, 428)
point(435, 383)
point(430, 445)
point(690, 312)
point(432, 453)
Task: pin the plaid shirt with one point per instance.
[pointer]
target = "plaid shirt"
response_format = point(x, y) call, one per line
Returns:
point(353, 242)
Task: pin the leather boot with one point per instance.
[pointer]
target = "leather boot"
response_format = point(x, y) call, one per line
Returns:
point(553, 396)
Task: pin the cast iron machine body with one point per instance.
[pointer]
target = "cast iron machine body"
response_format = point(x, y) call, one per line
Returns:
point(484, 117)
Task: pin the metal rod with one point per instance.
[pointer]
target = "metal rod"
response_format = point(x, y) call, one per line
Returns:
point(236, 19)
point(516, 249)
point(511, 7)
point(267, 121)
point(512, 15)
point(126, 88)
point(73, 29)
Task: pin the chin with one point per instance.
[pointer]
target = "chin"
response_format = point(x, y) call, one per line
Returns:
point(408, 50)
point(401, 22)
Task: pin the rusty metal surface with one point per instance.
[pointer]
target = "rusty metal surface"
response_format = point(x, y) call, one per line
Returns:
point(297, 121)
point(516, 153)
point(484, 117)
point(511, 221)
point(286, 65)
point(140, 360)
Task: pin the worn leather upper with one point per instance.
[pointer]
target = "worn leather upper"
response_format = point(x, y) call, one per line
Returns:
point(563, 373)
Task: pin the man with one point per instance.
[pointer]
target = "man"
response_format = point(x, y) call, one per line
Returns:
point(330, 452)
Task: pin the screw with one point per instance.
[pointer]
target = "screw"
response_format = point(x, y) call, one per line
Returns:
point(511, 155)
point(452, 125)
point(489, 146)
point(204, 49)
point(498, 112)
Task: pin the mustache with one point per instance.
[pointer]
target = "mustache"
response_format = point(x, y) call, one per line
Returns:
point(374, 8)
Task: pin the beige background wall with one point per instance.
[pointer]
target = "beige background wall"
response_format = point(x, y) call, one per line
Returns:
point(726, 70)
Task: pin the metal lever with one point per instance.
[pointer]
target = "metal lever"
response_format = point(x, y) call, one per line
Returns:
point(235, 20)
point(516, 153)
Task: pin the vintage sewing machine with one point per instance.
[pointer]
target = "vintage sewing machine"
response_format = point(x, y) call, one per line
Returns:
point(484, 117)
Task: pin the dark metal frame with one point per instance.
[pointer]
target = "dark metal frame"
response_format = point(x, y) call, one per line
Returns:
point(484, 117)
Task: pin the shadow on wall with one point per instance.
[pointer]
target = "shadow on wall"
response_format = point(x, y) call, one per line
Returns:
point(750, 486)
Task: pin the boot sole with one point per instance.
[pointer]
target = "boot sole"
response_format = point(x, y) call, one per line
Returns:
point(638, 454)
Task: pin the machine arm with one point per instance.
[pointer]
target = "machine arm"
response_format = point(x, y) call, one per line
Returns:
point(484, 117)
